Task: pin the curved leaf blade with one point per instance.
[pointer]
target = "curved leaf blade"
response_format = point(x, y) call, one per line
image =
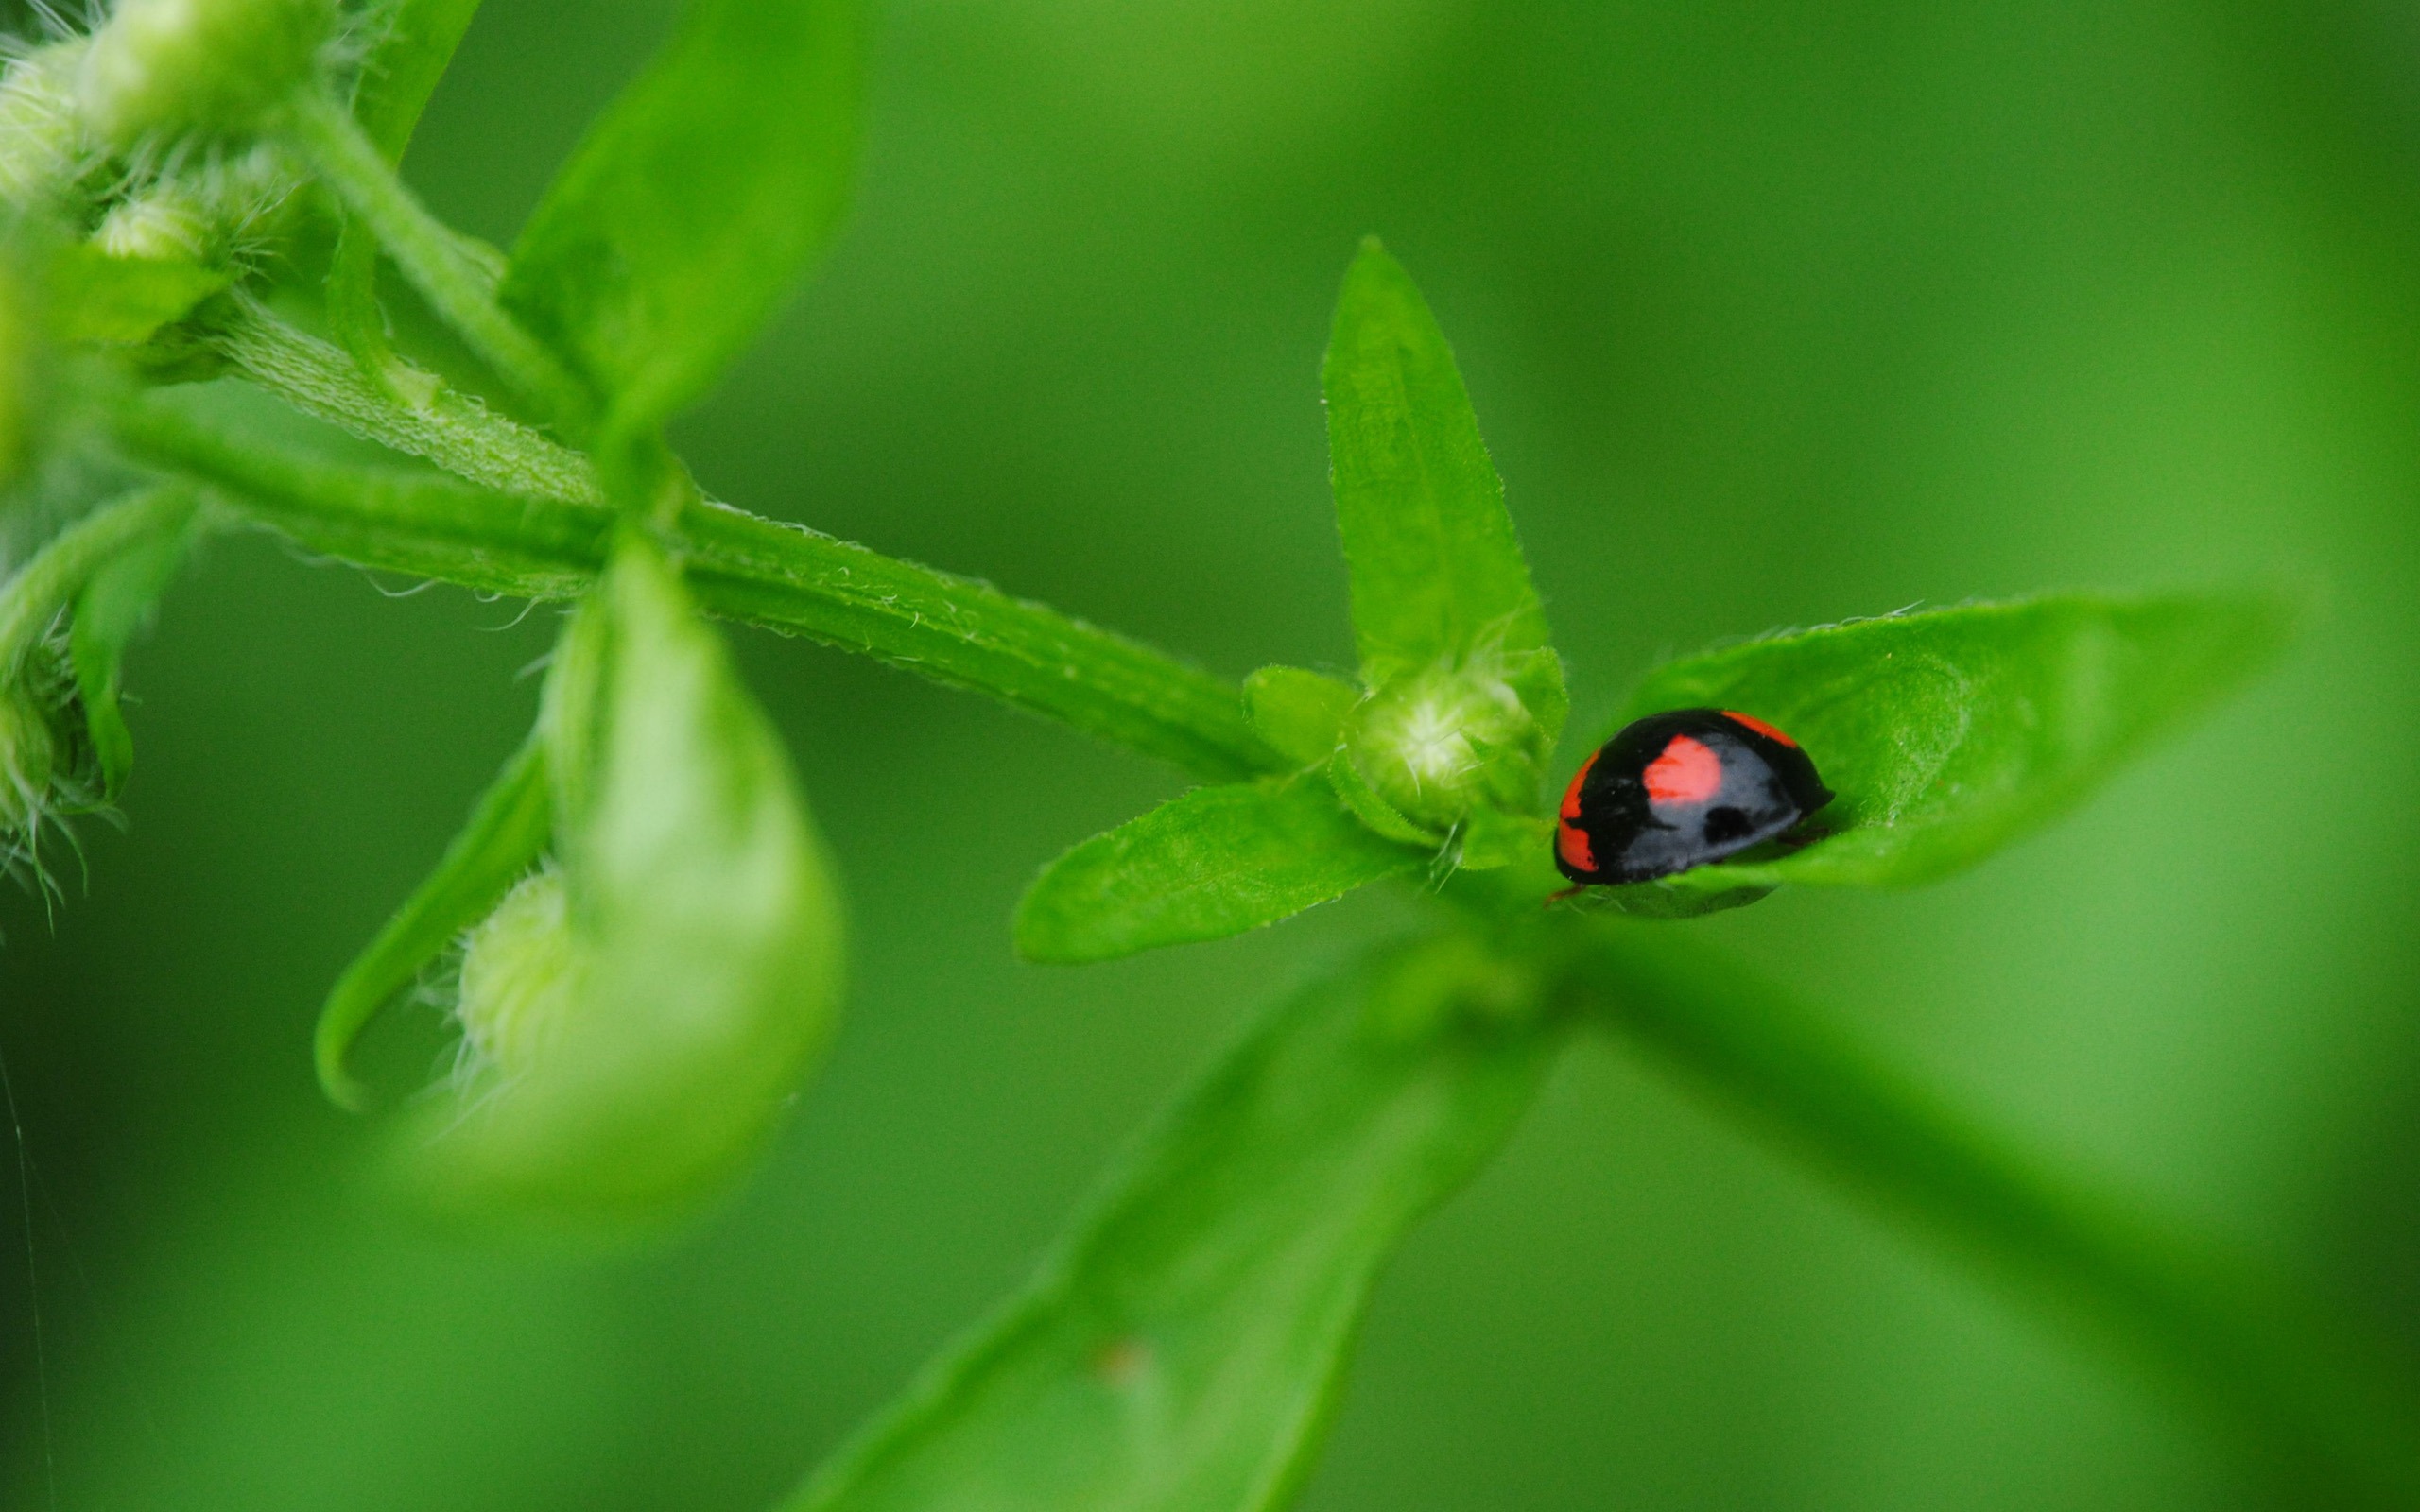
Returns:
point(1436, 569)
point(1217, 860)
point(415, 43)
point(113, 609)
point(1184, 1347)
point(506, 833)
point(1952, 733)
point(694, 203)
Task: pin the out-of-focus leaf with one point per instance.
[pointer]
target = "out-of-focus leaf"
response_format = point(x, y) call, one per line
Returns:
point(1183, 1349)
point(93, 296)
point(414, 44)
point(1436, 570)
point(694, 203)
point(507, 832)
point(1216, 862)
point(1298, 712)
point(1950, 734)
point(113, 609)
point(705, 958)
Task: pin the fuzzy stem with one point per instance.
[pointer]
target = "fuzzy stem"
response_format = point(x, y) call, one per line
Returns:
point(743, 567)
point(2321, 1411)
point(416, 414)
point(430, 254)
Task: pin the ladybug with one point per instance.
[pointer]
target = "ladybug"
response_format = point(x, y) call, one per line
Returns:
point(1678, 790)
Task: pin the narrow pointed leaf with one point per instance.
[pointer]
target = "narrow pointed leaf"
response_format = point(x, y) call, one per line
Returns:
point(1436, 570)
point(114, 608)
point(1216, 862)
point(505, 836)
point(1950, 734)
point(414, 44)
point(1183, 1349)
point(695, 201)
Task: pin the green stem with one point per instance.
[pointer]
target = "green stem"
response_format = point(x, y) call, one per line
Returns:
point(415, 414)
point(431, 255)
point(2331, 1419)
point(951, 630)
point(31, 601)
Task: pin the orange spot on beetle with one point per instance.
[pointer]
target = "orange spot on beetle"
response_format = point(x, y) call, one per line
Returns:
point(1759, 727)
point(1571, 794)
point(1571, 844)
point(1688, 772)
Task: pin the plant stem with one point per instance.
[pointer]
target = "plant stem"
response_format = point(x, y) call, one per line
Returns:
point(951, 630)
point(2333, 1421)
point(30, 602)
point(431, 255)
point(418, 415)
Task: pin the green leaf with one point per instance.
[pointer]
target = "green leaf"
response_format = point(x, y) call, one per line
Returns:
point(1948, 734)
point(1298, 712)
point(114, 608)
point(507, 833)
point(637, 1064)
point(415, 42)
point(1183, 1349)
point(695, 201)
point(1216, 862)
point(1436, 569)
point(94, 297)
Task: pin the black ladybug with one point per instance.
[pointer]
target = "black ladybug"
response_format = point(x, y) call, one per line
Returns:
point(1678, 790)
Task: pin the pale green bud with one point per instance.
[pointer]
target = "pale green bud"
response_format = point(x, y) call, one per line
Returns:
point(39, 142)
point(517, 969)
point(1438, 743)
point(167, 67)
point(29, 757)
point(648, 1012)
point(167, 222)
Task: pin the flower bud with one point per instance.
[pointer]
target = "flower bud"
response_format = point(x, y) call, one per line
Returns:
point(37, 133)
point(167, 223)
point(30, 759)
point(1437, 743)
point(211, 66)
point(642, 1015)
point(517, 969)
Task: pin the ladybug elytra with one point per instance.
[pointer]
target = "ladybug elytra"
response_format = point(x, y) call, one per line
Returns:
point(1678, 790)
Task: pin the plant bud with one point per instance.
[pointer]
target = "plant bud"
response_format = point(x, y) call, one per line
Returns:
point(166, 223)
point(169, 68)
point(29, 757)
point(517, 969)
point(1437, 743)
point(646, 1013)
point(37, 132)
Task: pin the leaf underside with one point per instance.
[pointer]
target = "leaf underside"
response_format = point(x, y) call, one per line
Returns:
point(1183, 1351)
point(1950, 734)
point(1217, 860)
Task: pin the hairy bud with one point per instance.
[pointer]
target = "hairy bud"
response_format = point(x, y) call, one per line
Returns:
point(1436, 743)
point(169, 68)
point(39, 142)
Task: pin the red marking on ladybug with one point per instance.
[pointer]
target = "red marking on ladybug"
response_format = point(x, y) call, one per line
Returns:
point(1572, 849)
point(1688, 772)
point(1679, 790)
point(1759, 727)
point(1571, 794)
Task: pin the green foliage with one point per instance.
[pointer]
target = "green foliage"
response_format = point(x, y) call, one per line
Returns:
point(115, 606)
point(507, 832)
point(695, 201)
point(1437, 572)
point(94, 297)
point(1214, 862)
point(1950, 734)
point(704, 938)
point(1183, 1349)
point(1300, 714)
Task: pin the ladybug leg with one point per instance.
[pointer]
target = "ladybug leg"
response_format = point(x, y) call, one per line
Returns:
point(1555, 898)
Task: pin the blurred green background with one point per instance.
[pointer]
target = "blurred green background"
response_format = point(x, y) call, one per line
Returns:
point(1773, 312)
